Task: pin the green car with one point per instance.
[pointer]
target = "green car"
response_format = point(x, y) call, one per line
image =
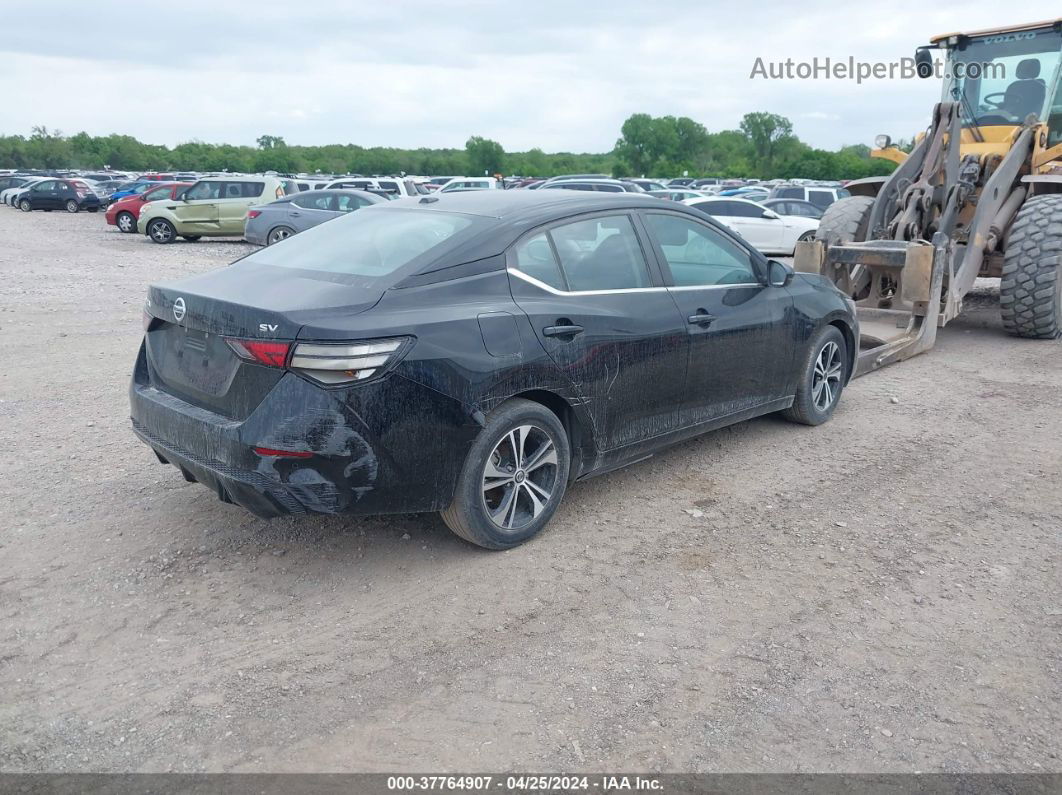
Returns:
point(212, 207)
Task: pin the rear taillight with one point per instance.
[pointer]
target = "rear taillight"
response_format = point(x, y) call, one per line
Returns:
point(330, 363)
point(271, 354)
point(253, 213)
point(271, 453)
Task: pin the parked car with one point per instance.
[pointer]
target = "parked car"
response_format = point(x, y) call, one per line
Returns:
point(399, 187)
point(475, 354)
point(764, 229)
point(793, 207)
point(752, 194)
point(276, 221)
point(461, 184)
point(131, 189)
point(124, 212)
point(212, 207)
point(680, 182)
point(13, 184)
point(9, 196)
point(821, 196)
point(678, 194)
point(437, 182)
point(600, 185)
point(561, 177)
point(72, 195)
point(648, 185)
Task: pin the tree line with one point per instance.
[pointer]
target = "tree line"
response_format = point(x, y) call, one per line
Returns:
point(764, 146)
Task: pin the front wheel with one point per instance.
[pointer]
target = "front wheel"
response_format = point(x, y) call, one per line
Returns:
point(822, 378)
point(126, 222)
point(72, 206)
point(514, 477)
point(25, 206)
point(161, 231)
point(1030, 290)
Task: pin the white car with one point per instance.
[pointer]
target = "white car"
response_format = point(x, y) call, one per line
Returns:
point(10, 196)
point(393, 185)
point(469, 183)
point(765, 230)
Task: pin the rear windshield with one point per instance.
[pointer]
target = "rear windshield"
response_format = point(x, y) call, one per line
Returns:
point(371, 243)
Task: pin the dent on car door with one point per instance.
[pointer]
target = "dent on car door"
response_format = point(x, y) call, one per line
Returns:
point(199, 206)
point(607, 324)
point(740, 329)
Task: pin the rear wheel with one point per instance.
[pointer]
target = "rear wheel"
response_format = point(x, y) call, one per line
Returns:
point(25, 206)
point(72, 206)
point(514, 477)
point(278, 234)
point(822, 378)
point(161, 231)
point(1030, 290)
point(846, 220)
point(125, 222)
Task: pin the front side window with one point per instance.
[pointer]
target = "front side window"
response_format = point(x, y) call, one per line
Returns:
point(699, 256)
point(745, 210)
point(314, 202)
point(204, 190)
point(158, 194)
point(601, 254)
point(45, 186)
point(346, 204)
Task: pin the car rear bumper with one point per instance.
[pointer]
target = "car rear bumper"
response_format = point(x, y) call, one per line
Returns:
point(390, 446)
point(255, 233)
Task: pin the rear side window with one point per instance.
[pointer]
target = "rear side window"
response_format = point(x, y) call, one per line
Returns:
point(820, 198)
point(601, 254)
point(534, 256)
point(242, 190)
point(602, 188)
point(314, 201)
point(790, 193)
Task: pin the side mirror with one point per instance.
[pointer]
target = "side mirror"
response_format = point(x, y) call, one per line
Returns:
point(778, 273)
point(770, 214)
point(923, 62)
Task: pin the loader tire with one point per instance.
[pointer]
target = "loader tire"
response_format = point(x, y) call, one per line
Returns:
point(846, 220)
point(1030, 290)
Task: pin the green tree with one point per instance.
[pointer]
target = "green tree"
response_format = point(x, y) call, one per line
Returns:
point(766, 132)
point(484, 156)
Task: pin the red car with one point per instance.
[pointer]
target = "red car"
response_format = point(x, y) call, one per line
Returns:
point(124, 212)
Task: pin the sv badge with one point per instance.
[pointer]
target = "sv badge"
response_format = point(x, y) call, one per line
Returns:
point(267, 328)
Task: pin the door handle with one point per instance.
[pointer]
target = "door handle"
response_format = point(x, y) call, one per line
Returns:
point(295, 214)
point(562, 331)
point(702, 318)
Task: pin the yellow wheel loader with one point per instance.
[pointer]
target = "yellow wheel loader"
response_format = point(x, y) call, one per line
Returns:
point(980, 194)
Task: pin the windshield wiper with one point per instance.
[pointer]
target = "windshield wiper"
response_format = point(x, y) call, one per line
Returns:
point(964, 102)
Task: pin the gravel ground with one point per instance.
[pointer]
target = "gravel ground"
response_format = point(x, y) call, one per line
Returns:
point(878, 594)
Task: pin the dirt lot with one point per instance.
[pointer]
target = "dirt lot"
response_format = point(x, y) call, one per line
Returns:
point(879, 594)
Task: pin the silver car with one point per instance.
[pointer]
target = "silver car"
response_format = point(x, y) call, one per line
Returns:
point(268, 223)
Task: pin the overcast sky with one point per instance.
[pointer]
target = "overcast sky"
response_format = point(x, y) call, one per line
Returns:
point(560, 75)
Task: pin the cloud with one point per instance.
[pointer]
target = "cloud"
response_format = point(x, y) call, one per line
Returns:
point(558, 75)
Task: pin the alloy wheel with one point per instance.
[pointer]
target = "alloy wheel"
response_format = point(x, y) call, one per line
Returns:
point(161, 232)
point(278, 234)
point(826, 379)
point(520, 477)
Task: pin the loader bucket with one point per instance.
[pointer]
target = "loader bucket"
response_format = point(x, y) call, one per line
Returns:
point(898, 288)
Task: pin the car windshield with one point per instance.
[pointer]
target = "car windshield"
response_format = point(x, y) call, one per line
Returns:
point(371, 243)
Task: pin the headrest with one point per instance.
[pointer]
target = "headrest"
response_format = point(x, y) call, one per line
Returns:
point(1028, 69)
point(671, 232)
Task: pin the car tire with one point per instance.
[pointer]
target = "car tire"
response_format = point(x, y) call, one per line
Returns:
point(500, 510)
point(822, 378)
point(126, 222)
point(25, 206)
point(191, 238)
point(278, 233)
point(72, 206)
point(161, 231)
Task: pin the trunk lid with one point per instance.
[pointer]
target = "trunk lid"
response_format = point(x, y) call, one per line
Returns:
point(187, 354)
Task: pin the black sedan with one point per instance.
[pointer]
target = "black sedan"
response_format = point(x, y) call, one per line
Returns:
point(475, 353)
point(72, 195)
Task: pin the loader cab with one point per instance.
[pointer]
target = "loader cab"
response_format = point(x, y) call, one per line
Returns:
point(1001, 77)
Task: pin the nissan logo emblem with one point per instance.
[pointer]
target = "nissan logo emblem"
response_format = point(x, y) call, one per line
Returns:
point(178, 309)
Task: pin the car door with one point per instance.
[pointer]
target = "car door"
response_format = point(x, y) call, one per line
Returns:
point(236, 199)
point(761, 227)
point(45, 195)
point(740, 329)
point(197, 211)
point(311, 210)
point(607, 323)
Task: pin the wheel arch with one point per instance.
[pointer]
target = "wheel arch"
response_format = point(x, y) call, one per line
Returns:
point(850, 342)
point(580, 433)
